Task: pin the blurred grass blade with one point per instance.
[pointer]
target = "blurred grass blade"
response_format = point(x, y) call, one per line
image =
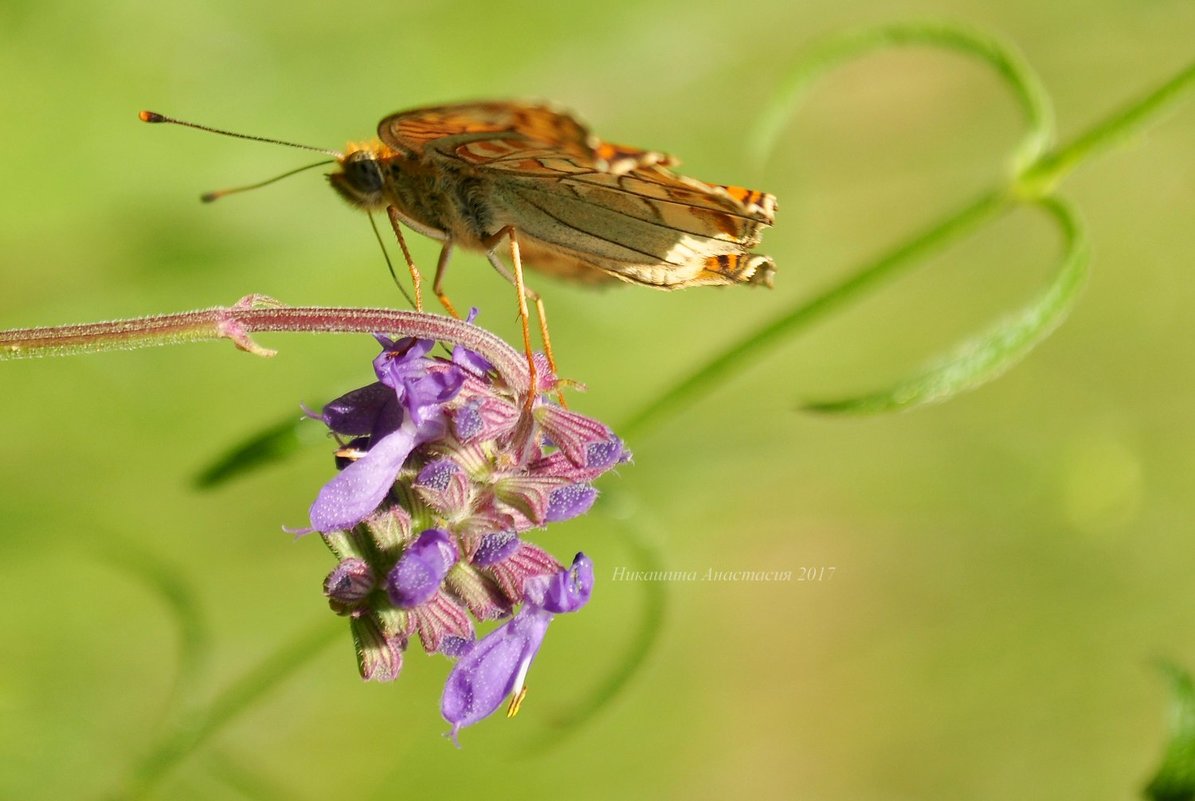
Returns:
point(268, 446)
point(1008, 64)
point(1175, 778)
point(986, 357)
point(200, 725)
point(172, 588)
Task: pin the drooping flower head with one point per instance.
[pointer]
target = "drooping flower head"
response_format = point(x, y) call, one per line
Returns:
point(443, 465)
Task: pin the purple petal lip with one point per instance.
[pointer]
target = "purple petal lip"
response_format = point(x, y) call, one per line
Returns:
point(569, 590)
point(356, 413)
point(438, 474)
point(565, 503)
point(357, 490)
point(421, 568)
point(491, 669)
point(495, 547)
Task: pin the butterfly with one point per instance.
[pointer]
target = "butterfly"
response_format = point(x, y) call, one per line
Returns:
point(476, 175)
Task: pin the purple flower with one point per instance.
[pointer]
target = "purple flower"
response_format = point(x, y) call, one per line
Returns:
point(410, 414)
point(422, 568)
point(421, 384)
point(441, 468)
point(358, 489)
point(496, 666)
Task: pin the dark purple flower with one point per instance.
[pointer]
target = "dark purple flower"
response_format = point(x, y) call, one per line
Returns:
point(496, 666)
point(372, 411)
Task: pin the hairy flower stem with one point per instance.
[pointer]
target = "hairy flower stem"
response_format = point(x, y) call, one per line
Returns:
point(254, 314)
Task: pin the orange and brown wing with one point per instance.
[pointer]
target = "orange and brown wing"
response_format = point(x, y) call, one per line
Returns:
point(582, 204)
point(626, 214)
point(411, 131)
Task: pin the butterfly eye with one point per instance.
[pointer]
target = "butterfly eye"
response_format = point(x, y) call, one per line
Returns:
point(360, 180)
point(363, 174)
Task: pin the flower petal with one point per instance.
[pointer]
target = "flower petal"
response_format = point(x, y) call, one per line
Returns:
point(358, 489)
point(422, 568)
point(357, 413)
point(565, 503)
point(487, 672)
point(566, 591)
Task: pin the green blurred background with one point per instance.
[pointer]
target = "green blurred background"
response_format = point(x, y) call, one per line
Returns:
point(1006, 565)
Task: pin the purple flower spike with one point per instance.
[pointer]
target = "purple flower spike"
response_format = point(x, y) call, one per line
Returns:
point(442, 463)
point(496, 666)
point(422, 568)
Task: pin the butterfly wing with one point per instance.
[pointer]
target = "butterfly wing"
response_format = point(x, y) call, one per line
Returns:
point(590, 209)
point(411, 132)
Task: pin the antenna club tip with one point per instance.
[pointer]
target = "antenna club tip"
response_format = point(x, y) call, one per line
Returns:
point(209, 197)
point(150, 116)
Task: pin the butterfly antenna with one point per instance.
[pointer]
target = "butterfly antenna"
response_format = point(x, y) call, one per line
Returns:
point(153, 116)
point(389, 264)
point(208, 197)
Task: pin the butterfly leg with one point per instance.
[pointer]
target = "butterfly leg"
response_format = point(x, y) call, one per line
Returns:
point(524, 293)
point(491, 245)
point(438, 283)
point(416, 278)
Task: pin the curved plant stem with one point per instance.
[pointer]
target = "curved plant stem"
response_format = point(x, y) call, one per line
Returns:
point(1043, 176)
point(985, 357)
point(1034, 182)
point(1022, 81)
point(751, 347)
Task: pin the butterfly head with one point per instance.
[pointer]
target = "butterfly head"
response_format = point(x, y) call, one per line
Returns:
point(360, 180)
